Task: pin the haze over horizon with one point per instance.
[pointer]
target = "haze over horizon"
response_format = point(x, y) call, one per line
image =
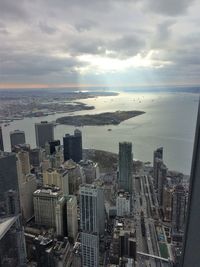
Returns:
point(99, 43)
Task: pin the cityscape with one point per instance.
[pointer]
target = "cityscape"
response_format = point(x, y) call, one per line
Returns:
point(63, 205)
point(99, 133)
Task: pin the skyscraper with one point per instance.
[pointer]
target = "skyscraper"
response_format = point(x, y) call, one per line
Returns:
point(1, 140)
point(8, 173)
point(44, 133)
point(73, 146)
point(162, 174)
point(92, 223)
point(178, 211)
point(191, 255)
point(157, 157)
point(17, 137)
point(125, 180)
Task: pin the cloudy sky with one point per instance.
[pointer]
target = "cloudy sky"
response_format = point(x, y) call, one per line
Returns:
point(99, 42)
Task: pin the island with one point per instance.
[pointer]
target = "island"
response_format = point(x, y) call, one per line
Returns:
point(107, 118)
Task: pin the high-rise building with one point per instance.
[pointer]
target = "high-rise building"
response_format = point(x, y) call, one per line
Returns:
point(125, 180)
point(1, 140)
point(167, 203)
point(57, 177)
point(191, 255)
point(24, 161)
point(45, 201)
point(17, 137)
point(92, 223)
point(178, 211)
point(73, 146)
point(157, 157)
point(123, 204)
point(35, 157)
point(44, 133)
point(92, 209)
point(53, 145)
point(162, 175)
point(8, 173)
point(72, 222)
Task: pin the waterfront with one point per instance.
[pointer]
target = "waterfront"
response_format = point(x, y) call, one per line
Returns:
point(169, 121)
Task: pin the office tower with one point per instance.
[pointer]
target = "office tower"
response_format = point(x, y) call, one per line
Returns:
point(57, 177)
point(90, 169)
point(61, 217)
point(178, 211)
point(162, 175)
point(157, 157)
point(53, 145)
point(44, 133)
point(12, 202)
point(92, 223)
point(17, 137)
point(73, 146)
point(45, 201)
point(75, 176)
point(8, 173)
point(92, 209)
point(35, 157)
point(1, 140)
point(24, 161)
point(167, 203)
point(72, 222)
point(123, 204)
point(90, 250)
point(125, 167)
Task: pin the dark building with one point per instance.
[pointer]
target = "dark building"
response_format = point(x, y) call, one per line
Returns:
point(1, 140)
point(17, 137)
point(8, 174)
point(44, 133)
point(53, 145)
point(72, 145)
point(179, 198)
point(125, 179)
point(157, 157)
point(191, 255)
point(35, 157)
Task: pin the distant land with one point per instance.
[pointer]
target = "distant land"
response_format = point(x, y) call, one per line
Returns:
point(107, 118)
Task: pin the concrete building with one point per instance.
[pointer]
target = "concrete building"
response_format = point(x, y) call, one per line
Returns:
point(178, 211)
point(17, 137)
point(45, 201)
point(26, 189)
point(72, 217)
point(123, 204)
point(24, 161)
point(61, 217)
point(75, 176)
point(44, 132)
point(125, 180)
point(57, 177)
point(1, 140)
point(91, 170)
point(167, 203)
point(191, 255)
point(72, 145)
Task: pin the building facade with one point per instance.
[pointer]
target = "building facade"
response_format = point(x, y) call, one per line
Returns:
point(125, 180)
point(44, 132)
point(1, 140)
point(17, 137)
point(123, 204)
point(73, 146)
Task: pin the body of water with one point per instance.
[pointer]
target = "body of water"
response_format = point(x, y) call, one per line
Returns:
point(169, 121)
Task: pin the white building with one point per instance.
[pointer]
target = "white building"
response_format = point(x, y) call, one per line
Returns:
point(90, 250)
point(123, 204)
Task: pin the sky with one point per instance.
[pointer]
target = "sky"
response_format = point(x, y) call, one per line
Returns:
point(99, 42)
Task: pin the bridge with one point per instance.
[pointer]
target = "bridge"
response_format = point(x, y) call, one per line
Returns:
point(153, 256)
